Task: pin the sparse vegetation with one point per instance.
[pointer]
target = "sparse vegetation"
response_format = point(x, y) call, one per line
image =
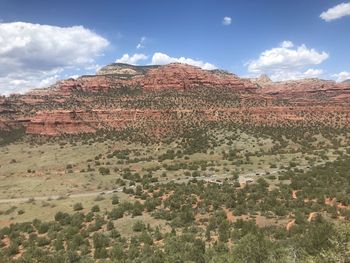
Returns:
point(228, 194)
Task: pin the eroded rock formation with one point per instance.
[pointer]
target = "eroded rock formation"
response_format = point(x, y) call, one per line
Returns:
point(158, 98)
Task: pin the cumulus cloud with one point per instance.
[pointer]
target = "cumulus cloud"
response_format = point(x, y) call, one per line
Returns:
point(20, 82)
point(294, 75)
point(226, 21)
point(339, 77)
point(33, 55)
point(287, 44)
point(288, 62)
point(141, 43)
point(313, 73)
point(133, 60)
point(161, 59)
point(336, 12)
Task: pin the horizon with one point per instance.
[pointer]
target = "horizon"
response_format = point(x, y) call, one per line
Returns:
point(220, 69)
point(46, 42)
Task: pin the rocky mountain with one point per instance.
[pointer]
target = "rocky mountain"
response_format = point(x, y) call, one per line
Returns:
point(308, 90)
point(153, 78)
point(262, 80)
point(124, 70)
point(166, 99)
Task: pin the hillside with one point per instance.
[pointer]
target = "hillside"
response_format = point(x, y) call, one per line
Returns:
point(175, 164)
point(175, 95)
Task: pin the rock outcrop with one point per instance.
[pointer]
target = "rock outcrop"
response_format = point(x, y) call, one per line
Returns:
point(183, 77)
point(124, 70)
point(154, 78)
point(75, 122)
point(160, 99)
point(261, 81)
point(307, 90)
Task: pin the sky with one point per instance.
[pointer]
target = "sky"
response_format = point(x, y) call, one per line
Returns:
point(44, 41)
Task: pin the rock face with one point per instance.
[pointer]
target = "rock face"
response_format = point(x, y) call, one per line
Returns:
point(307, 90)
point(174, 76)
point(263, 80)
point(75, 122)
point(162, 99)
point(124, 70)
point(183, 77)
point(87, 84)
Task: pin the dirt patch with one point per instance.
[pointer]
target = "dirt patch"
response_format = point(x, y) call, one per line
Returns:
point(312, 216)
point(166, 196)
point(229, 215)
point(333, 202)
point(294, 194)
point(290, 224)
point(5, 223)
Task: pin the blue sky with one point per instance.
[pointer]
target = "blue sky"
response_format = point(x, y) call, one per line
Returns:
point(281, 38)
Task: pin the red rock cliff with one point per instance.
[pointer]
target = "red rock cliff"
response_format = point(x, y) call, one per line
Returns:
point(172, 96)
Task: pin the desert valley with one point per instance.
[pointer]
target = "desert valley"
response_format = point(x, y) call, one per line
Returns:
point(187, 131)
point(141, 163)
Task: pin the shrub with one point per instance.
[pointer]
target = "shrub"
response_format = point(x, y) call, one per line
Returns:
point(115, 200)
point(95, 209)
point(77, 207)
point(104, 170)
point(138, 226)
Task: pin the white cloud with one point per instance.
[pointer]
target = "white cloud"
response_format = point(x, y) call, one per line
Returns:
point(133, 60)
point(161, 59)
point(141, 43)
point(287, 44)
point(288, 62)
point(32, 55)
point(339, 77)
point(313, 73)
point(22, 82)
point(93, 68)
point(73, 76)
point(336, 12)
point(294, 75)
point(226, 21)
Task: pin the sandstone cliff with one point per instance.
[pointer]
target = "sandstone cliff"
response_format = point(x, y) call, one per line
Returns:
point(163, 98)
